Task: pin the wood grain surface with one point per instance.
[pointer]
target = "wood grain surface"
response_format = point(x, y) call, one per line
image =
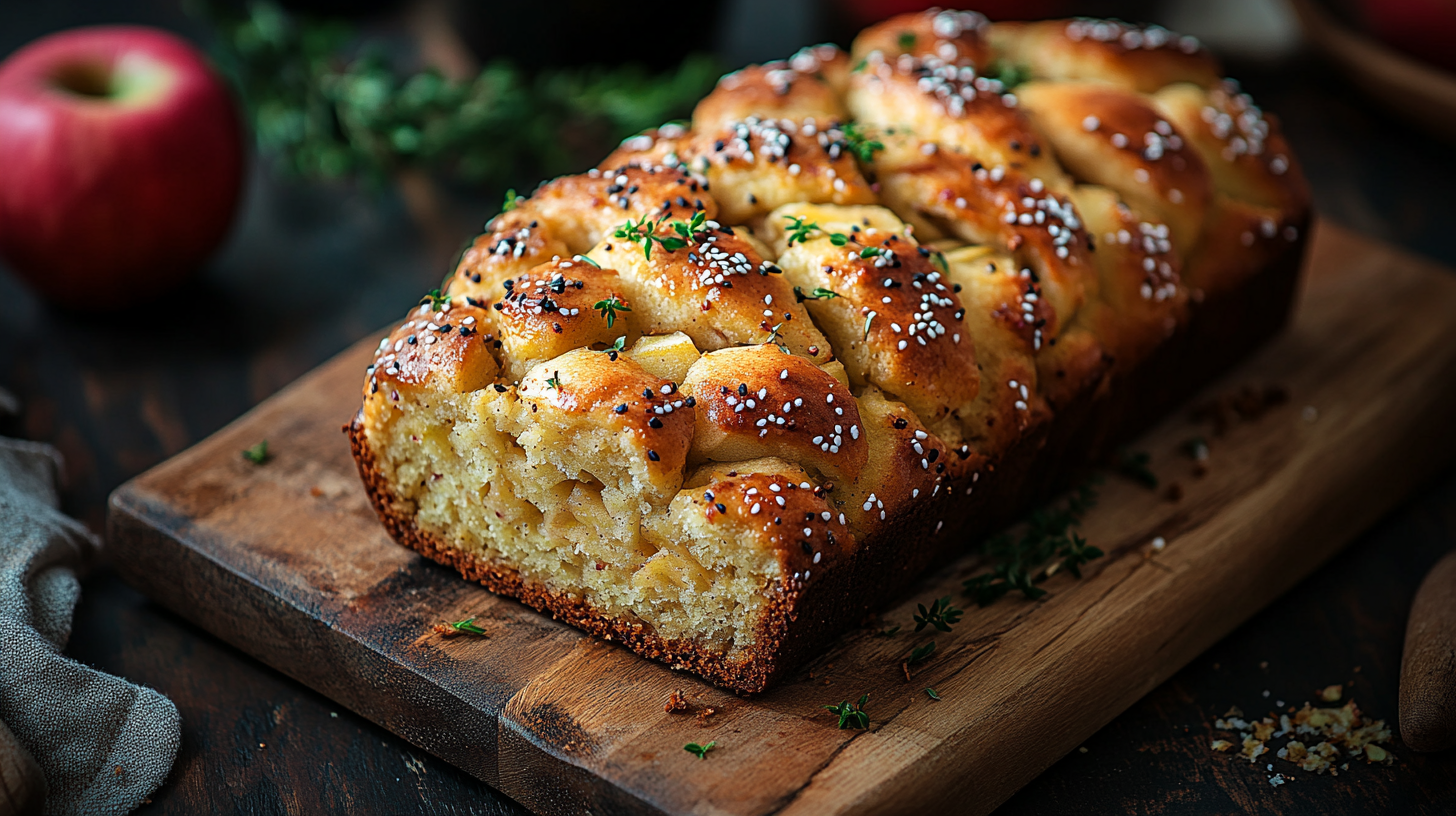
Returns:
point(286, 561)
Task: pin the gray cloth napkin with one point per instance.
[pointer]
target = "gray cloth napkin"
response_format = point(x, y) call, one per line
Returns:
point(102, 743)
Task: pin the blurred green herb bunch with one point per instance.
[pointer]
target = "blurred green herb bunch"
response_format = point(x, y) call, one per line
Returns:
point(326, 104)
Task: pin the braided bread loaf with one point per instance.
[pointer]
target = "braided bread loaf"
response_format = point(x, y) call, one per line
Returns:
point(742, 382)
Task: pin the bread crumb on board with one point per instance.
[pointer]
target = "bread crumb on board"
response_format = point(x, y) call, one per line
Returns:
point(1316, 740)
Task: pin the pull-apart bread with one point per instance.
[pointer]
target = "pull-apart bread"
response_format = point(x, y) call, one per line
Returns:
point(737, 386)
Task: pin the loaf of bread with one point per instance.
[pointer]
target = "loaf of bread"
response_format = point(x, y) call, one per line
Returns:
point(738, 385)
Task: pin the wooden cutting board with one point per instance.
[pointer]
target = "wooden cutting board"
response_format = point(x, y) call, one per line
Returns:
point(287, 561)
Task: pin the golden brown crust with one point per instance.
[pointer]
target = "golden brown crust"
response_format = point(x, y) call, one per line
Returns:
point(553, 309)
point(772, 91)
point(1141, 58)
point(1117, 139)
point(952, 108)
point(755, 401)
point(719, 291)
point(954, 37)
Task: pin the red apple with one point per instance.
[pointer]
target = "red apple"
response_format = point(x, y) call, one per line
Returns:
point(121, 160)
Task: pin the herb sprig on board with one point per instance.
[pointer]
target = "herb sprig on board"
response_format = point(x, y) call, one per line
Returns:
point(851, 715)
point(1048, 544)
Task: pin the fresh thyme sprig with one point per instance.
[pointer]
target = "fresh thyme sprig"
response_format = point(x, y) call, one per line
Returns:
point(934, 695)
point(700, 751)
point(941, 615)
point(644, 232)
point(585, 259)
point(799, 230)
point(871, 252)
point(851, 715)
point(610, 307)
point(919, 653)
point(468, 626)
point(616, 348)
point(819, 293)
point(1047, 545)
point(436, 300)
point(869, 318)
point(885, 633)
point(862, 146)
point(258, 454)
point(512, 200)
point(554, 381)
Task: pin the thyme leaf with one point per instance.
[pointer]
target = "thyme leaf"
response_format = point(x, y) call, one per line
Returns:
point(700, 751)
point(851, 715)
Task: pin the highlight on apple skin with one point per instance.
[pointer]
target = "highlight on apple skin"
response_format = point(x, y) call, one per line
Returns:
point(121, 164)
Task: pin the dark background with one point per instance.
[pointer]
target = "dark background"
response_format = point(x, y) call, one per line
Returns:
point(310, 268)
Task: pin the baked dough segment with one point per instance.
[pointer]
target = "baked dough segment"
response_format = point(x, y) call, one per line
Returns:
point(952, 108)
point(569, 216)
point(757, 401)
point(607, 416)
point(442, 348)
point(1261, 194)
point(719, 291)
point(892, 318)
point(907, 463)
point(1140, 58)
point(765, 522)
point(1002, 312)
point(1141, 297)
point(953, 37)
point(1116, 138)
point(956, 196)
point(553, 309)
point(775, 90)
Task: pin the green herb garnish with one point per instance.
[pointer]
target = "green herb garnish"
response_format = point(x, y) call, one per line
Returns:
point(838, 239)
point(799, 230)
point(919, 653)
point(884, 633)
point(609, 309)
point(325, 102)
point(1047, 545)
point(869, 318)
point(819, 293)
point(862, 146)
point(436, 300)
point(258, 454)
point(941, 615)
point(700, 751)
point(934, 695)
point(871, 252)
point(644, 232)
point(585, 259)
point(851, 715)
point(512, 200)
point(554, 381)
point(906, 40)
point(468, 626)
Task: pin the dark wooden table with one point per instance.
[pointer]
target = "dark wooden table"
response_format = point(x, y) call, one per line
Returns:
point(310, 269)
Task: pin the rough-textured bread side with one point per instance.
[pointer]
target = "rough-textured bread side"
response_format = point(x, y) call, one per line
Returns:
point(740, 384)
